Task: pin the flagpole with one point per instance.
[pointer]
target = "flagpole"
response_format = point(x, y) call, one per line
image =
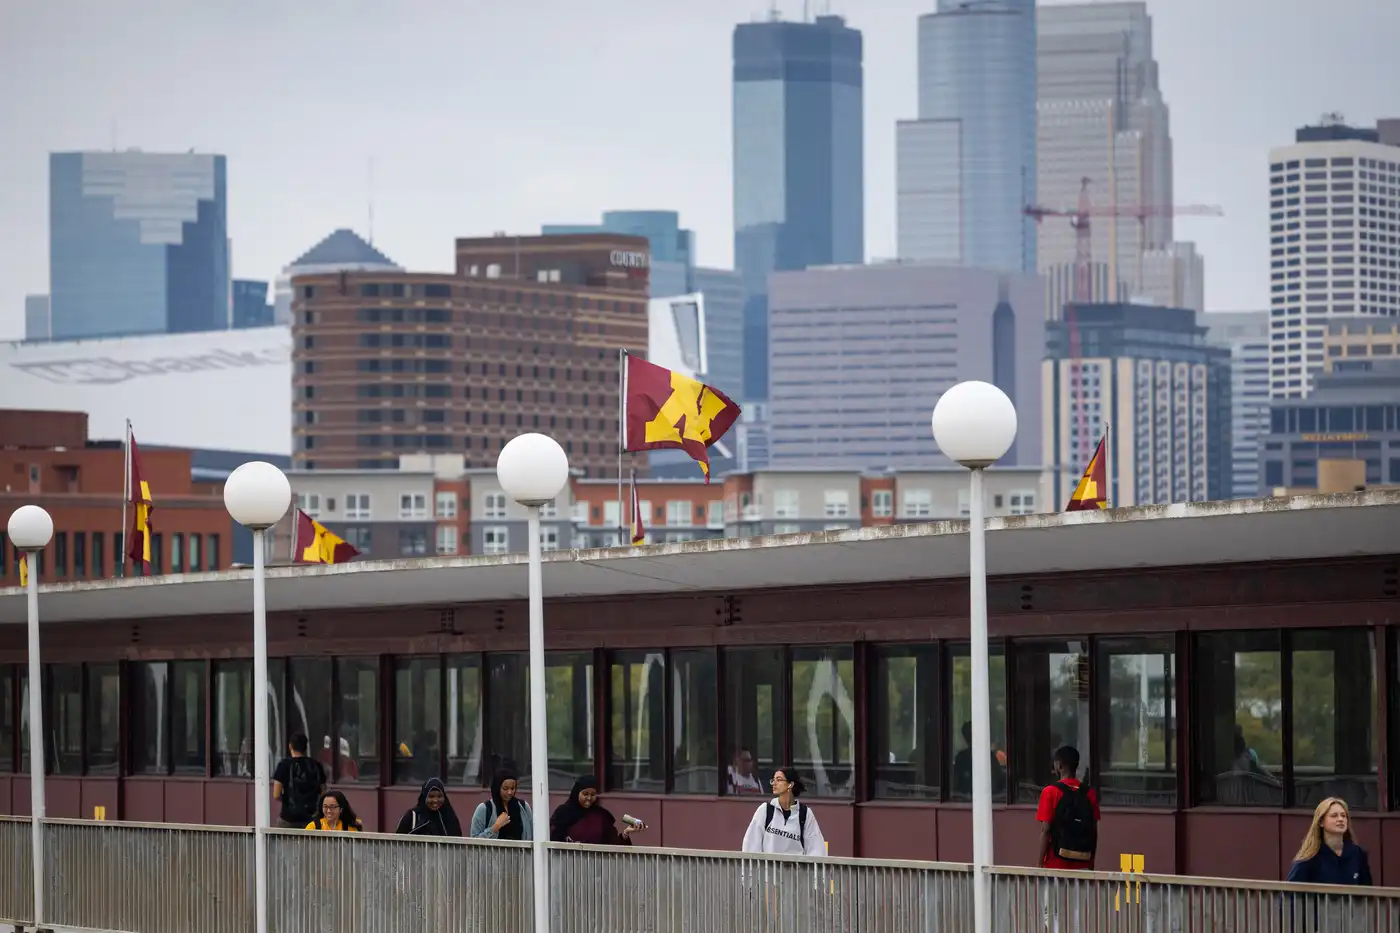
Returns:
point(296, 526)
point(621, 433)
point(126, 491)
point(1107, 466)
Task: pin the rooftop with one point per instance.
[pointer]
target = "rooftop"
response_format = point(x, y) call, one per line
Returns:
point(344, 248)
point(1252, 530)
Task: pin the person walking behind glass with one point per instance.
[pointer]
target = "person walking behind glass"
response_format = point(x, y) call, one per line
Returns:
point(504, 816)
point(336, 815)
point(433, 815)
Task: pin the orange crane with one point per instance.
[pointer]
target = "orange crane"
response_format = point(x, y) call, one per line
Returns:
point(1080, 218)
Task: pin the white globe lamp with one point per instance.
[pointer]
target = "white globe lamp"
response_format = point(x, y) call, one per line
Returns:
point(30, 528)
point(974, 424)
point(257, 495)
point(533, 469)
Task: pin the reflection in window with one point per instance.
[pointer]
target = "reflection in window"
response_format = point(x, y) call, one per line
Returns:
point(309, 708)
point(22, 724)
point(7, 718)
point(756, 714)
point(104, 699)
point(636, 735)
point(187, 717)
point(508, 713)
point(232, 714)
point(167, 717)
point(823, 719)
point(359, 717)
point(149, 736)
point(568, 708)
point(1239, 690)
point(960, 721)
point(1336, 748)
point(905, 721)
point(65, 719)
point(695, 721)
point(417, 719)
point(1137, 721)
point(464, 719)
point(1052, 709)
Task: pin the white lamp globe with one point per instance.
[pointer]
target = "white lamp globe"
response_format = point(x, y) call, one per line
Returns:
point(974, 424)
point(532, 469)
point(257, 495)
point(30, 528)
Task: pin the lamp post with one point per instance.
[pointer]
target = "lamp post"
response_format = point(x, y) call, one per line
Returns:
point(533, 470)
point(257, 495)
point(30, 529)
point(974, 424)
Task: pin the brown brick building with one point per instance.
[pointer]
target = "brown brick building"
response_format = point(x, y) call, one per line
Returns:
point(47, 460)
point(525, 336)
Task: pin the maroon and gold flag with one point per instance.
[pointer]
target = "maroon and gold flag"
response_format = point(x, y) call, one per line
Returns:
point(138, 541)
point(315, 544)
point(1092, 491)
point(667, 410)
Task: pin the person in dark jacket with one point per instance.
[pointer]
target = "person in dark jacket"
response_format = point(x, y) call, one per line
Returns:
point(1329, 854)
point(433, 816)
point(582, 819)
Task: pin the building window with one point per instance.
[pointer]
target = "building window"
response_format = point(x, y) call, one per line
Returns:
point(308, 708)
point(905, 723)
point(7, 718)
point(463, 735)
point(79, 555)
point(103, 718)
point(786, 503)
point(65, 715)
point(157, 554)
point(418, 698)
point(568, 702)
point(636, 734)
point(413, 505)
point(714, 514)
point(755, 712)
point(1052, 709)
point(611, 514)
point(447, 539)
point(60, 554)
point(823, 717)
point(918, 503)
point(194, 555)
point(549, 510)
point(965, 503)
point(786, 528)
point(358, 537)
point(1021, 502)
point(357, 507)
point(413, 542)
point(232, 715)
point(310, 503)
point(882, 503)
point(213, 552)
point(357, 720)
point(1136, 686)
point(495, 540)
point(495, 505)
point(177, 553)
point(678, 512)
point(959, 672)
point(549, 538)
point(836, 503)
point(99, 558)
point(695, 691)
point(167, 717)
point(445, 504)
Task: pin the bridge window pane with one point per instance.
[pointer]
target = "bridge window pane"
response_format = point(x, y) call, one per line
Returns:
point(695, 693)
point(104, 704)
point(1052, 709)
point(960, 721)
point(150, 733)
point(232, 709)
point(508, 713)
point(308, 710)
point(1137, 721)
point(464, 719)
point(755, 715)
point(905, 721)
point(417, 719)
point(65, 719)
point(1239, 691)
point(358, 732)
point(823, 719)
point(636, 734)
point(187, 690)
point(568, 703)
point(7, 718)
point(1336, 747)
point(22, 719)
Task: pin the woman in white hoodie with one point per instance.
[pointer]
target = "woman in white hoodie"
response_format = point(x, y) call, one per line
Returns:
point(784, 825)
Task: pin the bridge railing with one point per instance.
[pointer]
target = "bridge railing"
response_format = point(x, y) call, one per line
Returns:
point(170, 878)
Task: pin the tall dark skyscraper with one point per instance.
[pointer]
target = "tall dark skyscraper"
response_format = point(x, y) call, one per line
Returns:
point(138, 243)
point(798, 161)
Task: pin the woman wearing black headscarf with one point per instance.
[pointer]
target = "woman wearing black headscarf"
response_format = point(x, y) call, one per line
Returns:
point(433, 816)
point(504, 816)
point(582, 819)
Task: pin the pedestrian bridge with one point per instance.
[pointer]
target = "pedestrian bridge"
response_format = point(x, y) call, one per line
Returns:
point(170, 878)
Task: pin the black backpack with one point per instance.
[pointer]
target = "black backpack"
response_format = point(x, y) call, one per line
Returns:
point(801, 821)
point(303, 790)
point(1074, 834)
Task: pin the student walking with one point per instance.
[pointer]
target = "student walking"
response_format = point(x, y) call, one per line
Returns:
point(582, 819)
point(504, 816)
point(298, 782)
point(1329, 854)
point(785, 825)
point(433, 815)
point(336, 815)
point(1069, 816)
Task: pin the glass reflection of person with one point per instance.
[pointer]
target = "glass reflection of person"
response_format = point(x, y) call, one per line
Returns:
point(962, 767)
point(742, 779)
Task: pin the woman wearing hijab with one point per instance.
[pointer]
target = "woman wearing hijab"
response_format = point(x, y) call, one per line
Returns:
point(433, 816)
point(504, 816)
point(582, 819)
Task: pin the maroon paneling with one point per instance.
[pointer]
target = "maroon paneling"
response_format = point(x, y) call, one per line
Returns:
point(396, 801)
point(7, 806)
point(143, 800)
point(1385, 842)
point(1231, 844)
point(184, 802)
point(1292, 827)
point(63, 797)
point(227, 803)
point(101, 792)
point(898, 831)
point(705, 822)
point(19, 795)
point(838, 821)
point(1138, 832)
point(1016, 836)
point(647, 809)
point(955, 834)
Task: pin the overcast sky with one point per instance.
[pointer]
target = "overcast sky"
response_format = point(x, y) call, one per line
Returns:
point(502, 116)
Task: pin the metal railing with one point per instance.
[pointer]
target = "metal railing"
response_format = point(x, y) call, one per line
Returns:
point(169, 878)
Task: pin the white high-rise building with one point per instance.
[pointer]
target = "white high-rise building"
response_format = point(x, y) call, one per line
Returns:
point(1334, 223)
point(1246, 333)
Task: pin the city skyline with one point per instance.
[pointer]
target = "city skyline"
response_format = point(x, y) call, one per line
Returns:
point(542, 157)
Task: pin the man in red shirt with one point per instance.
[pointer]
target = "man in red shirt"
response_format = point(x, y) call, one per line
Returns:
point(1068, 815)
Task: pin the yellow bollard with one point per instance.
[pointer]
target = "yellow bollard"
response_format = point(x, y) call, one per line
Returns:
point(1129, 865)
point(832, 884)
point(99, 813)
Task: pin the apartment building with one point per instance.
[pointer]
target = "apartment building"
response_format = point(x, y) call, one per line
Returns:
point(672, 510)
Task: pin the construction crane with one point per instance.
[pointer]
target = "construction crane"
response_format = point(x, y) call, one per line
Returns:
point(1081, 219)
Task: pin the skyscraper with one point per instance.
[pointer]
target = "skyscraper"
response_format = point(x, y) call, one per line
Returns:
point(966, 166)
point(138, 243)
point(672, 246)
point(1246, 333)
point(798, 161)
